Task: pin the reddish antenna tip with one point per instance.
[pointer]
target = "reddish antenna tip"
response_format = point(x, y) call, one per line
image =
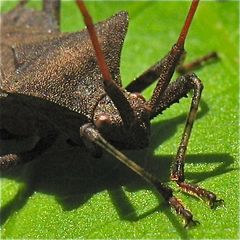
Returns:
point(186, 26)
point(91, 30)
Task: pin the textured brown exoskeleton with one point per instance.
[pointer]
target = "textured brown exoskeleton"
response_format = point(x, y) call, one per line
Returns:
point(69, 83)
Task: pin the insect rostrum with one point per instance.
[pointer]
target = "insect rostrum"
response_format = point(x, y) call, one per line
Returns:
point(69, 83)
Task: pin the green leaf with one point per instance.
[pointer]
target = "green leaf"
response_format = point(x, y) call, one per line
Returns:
point(67, 194)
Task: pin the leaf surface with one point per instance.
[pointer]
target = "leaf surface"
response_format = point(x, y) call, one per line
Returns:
point(67, 194)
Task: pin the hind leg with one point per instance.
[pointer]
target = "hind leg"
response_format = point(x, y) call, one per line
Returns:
point(152, 74)
point(197, 63)
point(9, 160)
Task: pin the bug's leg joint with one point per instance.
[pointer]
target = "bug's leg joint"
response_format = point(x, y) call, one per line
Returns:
point(90, 137)
point(181, 210)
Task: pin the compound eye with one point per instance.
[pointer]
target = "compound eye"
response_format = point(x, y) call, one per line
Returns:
point(102, 120)
point(137, 95)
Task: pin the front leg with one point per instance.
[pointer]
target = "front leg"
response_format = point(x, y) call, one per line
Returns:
point(91, 135)
point(191, 82)
point(173, 94)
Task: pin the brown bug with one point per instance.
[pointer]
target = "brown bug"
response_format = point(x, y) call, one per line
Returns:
point(69, 83)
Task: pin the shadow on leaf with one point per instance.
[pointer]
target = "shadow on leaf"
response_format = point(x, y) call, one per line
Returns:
point(73, 176)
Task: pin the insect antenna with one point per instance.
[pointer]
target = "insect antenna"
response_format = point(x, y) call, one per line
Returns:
point(170, 62)
point(112, 89)
point(186, 26)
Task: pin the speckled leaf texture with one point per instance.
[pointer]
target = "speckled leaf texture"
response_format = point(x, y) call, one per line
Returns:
point(67, 194)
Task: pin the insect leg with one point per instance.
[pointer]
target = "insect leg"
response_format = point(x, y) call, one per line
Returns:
point(184, 84)
point(152, 74)
point(174, 92)
point(91, 134)
point(197, 63)
point(52, 8)
point(10, 160)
